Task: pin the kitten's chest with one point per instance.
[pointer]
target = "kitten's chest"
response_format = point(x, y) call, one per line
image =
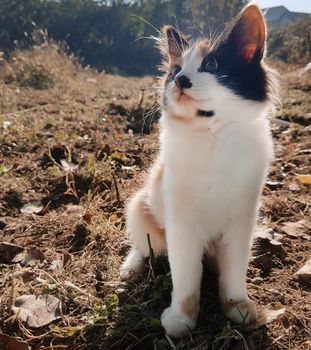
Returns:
point(213, 162)
point(190, 158)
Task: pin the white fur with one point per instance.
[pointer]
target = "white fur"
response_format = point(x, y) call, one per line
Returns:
point(214, 170)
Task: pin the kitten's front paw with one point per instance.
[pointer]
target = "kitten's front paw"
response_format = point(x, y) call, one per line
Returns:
point(132, 266)
point(241, 311)
point(175, 323)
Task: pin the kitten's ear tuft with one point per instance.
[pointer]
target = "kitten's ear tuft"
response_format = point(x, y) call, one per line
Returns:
point(248, 35)
point(175, 43)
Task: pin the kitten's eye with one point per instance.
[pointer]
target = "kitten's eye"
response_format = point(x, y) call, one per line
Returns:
point(210, 66)
point(175, 70)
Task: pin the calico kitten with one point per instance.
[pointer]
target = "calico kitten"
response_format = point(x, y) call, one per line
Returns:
point(203, 190)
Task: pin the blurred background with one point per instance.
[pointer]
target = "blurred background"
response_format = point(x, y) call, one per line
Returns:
point(79, 105)
point(114, 36)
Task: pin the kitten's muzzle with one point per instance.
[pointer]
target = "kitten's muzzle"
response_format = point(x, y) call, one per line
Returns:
point(183, 82)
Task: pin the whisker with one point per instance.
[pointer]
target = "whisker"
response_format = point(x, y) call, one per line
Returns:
point(151, 113)
point(177, 26)
point(145, 21)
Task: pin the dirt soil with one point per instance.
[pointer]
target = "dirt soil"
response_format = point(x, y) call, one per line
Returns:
point(75, 144)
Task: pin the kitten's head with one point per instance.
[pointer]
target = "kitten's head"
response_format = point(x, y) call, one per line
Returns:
point(224, 79)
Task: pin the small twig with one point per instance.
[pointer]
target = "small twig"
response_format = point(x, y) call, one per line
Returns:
point(244, 317)
point(28, 334)
point(50, 276)
point(260, 256)
point(141, 98)
point(54, 347)
point(150, 335)
point(134, 336)
point(11, 298)
point(242, 338)
point(2, 101)
point(151, 256)
point(24, 110)
point(281, 122)
point(170, 341)
point(116, 187)
point(53, 160)
point(71, 184)
point(71, 285)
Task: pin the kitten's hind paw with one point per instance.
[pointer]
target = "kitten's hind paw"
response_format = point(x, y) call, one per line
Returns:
point(175, 323)
point(132, 266)
point(241, 311)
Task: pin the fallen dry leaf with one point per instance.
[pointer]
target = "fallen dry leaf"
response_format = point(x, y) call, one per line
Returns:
point(56, 265)
point(10, 343)
point(272, 314)
point(267, 234)
point(65, 259)
point(308, 342)
point(33, 207)
point(79, 239)
point(268, 314)
point(37, 311)
point(10, 253)
point(304, 273)
point(263, 232)
point(34, 253)
point(304, 179)
point(87, 216)
point(28, 276)
point(118, 156)
point(276, 239)
point(297, 229)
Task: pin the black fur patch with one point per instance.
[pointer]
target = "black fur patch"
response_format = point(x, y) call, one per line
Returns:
point(206, 114)
point(248, 80)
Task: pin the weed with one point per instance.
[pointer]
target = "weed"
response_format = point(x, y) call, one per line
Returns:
point(34, 75)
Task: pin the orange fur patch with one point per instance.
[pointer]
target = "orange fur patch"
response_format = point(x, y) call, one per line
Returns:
point(150, 219)
point(183, 119)
point(203, 45)
point(190, 306)
point(174, 61)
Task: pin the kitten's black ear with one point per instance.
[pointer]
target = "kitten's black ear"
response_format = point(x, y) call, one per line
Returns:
point(248, 35)
point(174, 43)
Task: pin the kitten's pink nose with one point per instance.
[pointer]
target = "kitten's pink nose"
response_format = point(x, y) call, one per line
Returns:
point(183, 82)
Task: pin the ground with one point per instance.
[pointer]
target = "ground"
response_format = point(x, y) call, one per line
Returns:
point(75, 144)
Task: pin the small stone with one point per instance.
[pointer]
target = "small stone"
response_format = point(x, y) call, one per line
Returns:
point(294, 187)
point(56, 265)
point(10, 253)
point(6, 124)
point(257, 280)
point(273, 185)
point(304, 273)
point(33, 207)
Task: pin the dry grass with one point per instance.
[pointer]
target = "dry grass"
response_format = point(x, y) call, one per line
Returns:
point(85, 118)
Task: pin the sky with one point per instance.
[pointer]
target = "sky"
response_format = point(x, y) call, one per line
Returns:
point(293, 5)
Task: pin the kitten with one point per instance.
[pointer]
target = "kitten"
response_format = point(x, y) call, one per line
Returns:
point(203, 190)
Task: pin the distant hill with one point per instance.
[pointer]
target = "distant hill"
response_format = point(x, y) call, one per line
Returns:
point(280, 16)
